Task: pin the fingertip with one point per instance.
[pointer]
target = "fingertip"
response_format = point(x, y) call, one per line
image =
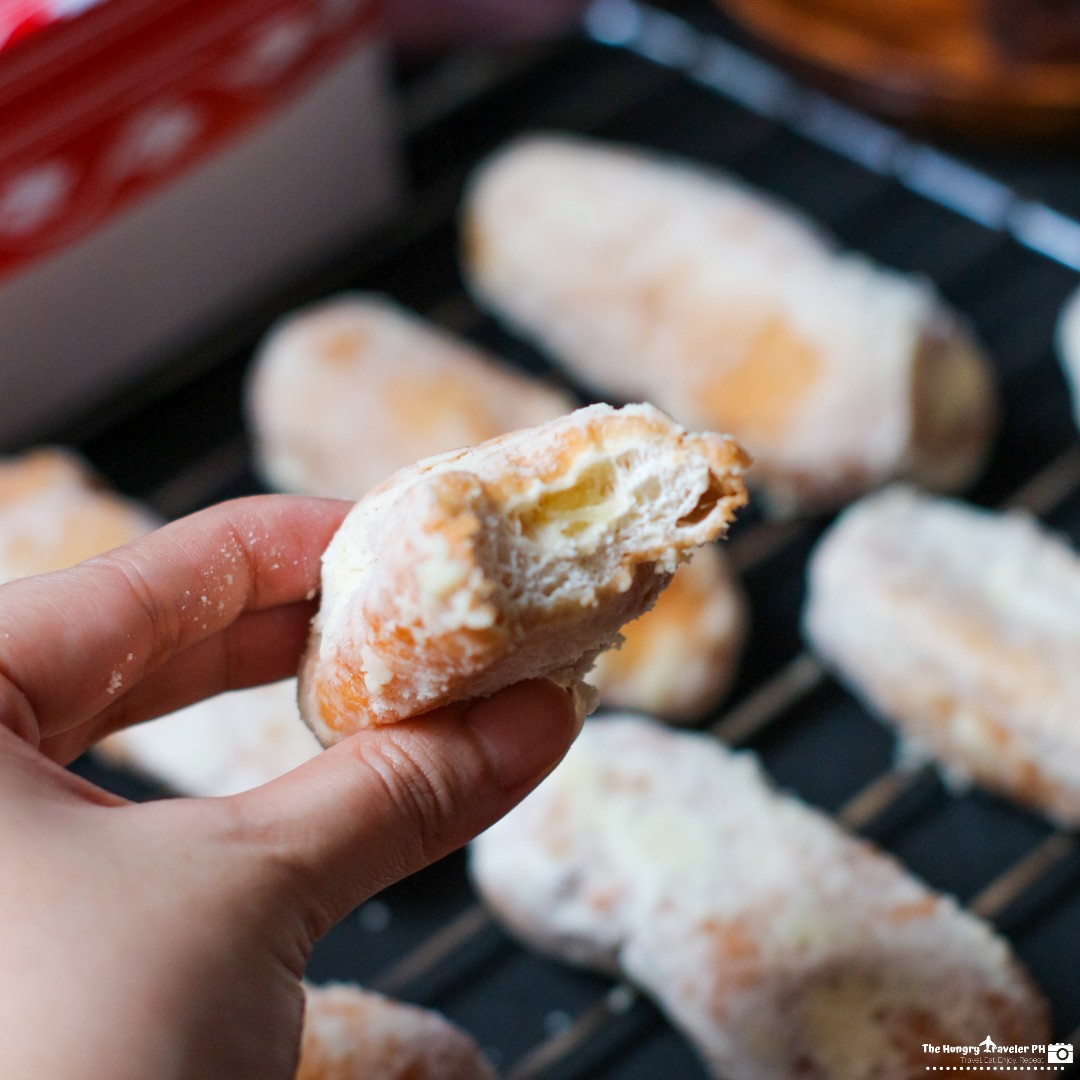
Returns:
point(524, 730)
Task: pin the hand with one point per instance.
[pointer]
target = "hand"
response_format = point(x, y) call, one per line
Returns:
point(167, 939)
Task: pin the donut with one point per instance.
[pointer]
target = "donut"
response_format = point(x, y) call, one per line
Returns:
point(54, 513)
point(960, 627)
point(355, 1034)
point(519, 558)
point(781, 947)
point(677, 660)
point(220, 746)
point(345, 392)
point(652, 279)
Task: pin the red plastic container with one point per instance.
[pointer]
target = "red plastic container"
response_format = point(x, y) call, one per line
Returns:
point(161, 160)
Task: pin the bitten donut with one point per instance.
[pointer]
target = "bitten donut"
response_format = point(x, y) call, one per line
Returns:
point(355, 1034)
point(348, 391)
point(659, 281)
point(55, 513)
point(519, 558)
point(962, 627)
point(782, 947)
point(220, 746)
point(677, 661)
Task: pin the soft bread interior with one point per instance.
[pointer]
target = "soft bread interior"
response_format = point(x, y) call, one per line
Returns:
point(519, 559)
point(554, 571)
point(582, 535)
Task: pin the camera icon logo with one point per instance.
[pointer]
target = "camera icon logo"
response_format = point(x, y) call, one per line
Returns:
point(1059, 1053)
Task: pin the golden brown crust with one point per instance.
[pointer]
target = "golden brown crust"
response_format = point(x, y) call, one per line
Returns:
point(344, 393)
point(520, 558)
point(962, 627)
point(782, 947)
point(354, 1034)
point(678, 659)
point(55, 513)
point(651, 279)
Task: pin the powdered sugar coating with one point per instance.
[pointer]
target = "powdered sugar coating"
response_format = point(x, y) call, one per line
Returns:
point(221, 746)
point(54, 513)
point(678, 659)
point(345, 392)
point(781, 946)
point(355, 1034)
point(962, 627)
point(516, 559)
point(659, 281)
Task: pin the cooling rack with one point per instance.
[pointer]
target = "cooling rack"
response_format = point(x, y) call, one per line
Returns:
point(677, 82)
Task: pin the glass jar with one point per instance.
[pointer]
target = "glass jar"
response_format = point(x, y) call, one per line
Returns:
point(982, 66)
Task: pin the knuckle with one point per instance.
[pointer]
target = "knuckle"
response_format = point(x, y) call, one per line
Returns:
point(425, 798)
point(161, 618)
point(246, 564)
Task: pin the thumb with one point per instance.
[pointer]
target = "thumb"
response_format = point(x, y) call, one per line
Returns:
point(388, 801)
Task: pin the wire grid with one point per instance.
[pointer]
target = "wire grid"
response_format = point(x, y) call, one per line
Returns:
point(651, 77)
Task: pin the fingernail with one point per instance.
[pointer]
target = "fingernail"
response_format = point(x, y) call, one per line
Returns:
point(524, 730)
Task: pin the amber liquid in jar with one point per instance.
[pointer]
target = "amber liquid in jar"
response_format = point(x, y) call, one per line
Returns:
point(982, 66)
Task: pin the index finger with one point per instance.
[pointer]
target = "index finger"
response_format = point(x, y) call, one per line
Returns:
point(72, 641)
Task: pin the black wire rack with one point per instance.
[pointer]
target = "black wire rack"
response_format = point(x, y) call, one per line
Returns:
point(648, 76)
